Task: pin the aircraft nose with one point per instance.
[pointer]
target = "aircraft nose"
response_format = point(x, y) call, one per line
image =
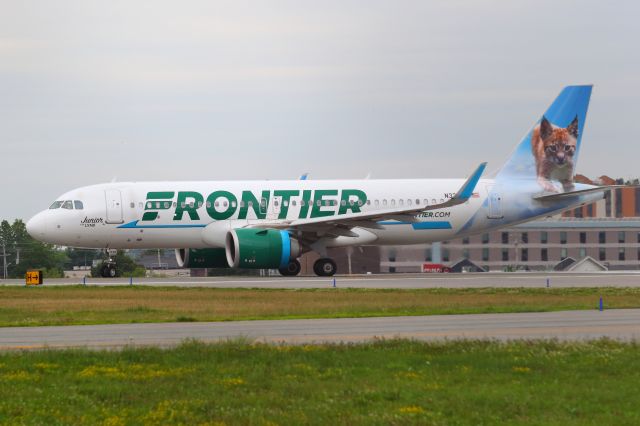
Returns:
point(37, 225)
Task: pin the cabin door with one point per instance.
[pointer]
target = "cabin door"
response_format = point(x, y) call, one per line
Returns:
point(113, 198)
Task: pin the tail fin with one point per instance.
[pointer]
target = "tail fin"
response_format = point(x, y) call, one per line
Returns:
point(549, 152)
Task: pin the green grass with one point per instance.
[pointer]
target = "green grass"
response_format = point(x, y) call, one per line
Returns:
point(21, 306)
point(384, 382)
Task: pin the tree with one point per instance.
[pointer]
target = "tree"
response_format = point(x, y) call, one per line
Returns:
point(80, 257)
point(23, 252)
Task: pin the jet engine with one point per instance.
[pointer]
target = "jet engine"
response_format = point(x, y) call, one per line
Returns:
point(202, 258)
point(260, 248)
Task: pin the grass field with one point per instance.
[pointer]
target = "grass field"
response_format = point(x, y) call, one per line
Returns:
point(392, 382)
point(21, 306)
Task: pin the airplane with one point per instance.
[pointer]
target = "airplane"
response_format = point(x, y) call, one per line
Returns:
point(270, 224)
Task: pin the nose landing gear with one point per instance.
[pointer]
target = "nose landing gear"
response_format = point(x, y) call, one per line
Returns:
point(108, 268)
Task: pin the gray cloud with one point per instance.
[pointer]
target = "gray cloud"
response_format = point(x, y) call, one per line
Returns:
point(232, 90)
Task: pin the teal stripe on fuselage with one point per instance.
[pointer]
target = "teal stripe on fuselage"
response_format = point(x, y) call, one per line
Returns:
point(134, 225)
point(421, 225)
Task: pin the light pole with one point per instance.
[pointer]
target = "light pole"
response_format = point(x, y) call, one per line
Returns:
point(4, 260)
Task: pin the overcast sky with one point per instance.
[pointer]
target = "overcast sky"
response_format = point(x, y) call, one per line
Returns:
point(197, 90)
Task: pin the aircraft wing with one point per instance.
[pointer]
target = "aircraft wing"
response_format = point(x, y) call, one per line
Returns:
point(341, 225)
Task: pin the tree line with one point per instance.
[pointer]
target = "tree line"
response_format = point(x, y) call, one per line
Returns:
point(20, 252)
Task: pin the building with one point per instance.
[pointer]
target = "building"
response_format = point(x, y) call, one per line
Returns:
point(537, 245)
point(618, 203)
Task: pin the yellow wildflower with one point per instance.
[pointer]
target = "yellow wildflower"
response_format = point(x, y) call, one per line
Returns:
point(411, 409)
point(233, 381)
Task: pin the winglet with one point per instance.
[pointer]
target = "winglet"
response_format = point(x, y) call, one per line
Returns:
point(466, 191)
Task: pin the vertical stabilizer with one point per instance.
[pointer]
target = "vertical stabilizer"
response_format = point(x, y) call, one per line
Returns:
point(549, 152)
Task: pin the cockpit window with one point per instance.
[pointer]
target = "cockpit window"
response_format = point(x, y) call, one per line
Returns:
point(78, 205)
point(67, 205)
point(56, 205)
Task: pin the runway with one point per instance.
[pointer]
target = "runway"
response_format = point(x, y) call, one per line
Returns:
point(400, 281)
point(621, 324)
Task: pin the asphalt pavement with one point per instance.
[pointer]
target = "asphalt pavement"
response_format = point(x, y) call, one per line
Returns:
point(619, 324)
point(406, 281)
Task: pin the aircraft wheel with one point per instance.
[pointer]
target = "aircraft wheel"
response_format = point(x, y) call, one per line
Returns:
point(291, 270)
point(108, 271)
point(325, 267)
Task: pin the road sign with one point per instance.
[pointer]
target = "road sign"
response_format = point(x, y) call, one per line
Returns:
point(34, 277)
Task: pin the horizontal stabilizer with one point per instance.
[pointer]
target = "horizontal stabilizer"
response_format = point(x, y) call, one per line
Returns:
point(549, 197)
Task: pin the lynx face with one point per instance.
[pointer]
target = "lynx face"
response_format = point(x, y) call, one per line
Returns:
point(559, 144)
point(553, 149)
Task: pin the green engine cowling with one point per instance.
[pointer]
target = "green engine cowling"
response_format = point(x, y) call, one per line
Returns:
point(202, 258)
point(260, 248)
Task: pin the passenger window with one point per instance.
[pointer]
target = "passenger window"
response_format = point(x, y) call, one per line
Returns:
point(377, 203)
point(408, 202)
point(384, 202)
point(56, 205)
point(233, 204)
point(191, 204)
point(67, 205)
point(78, 205)
point(183, 204)
point(157, 204)
point(276, 203)
point(293, 203)
point(343, 202)
point(393, 202)
point(175, 204)
point(225, 204)
point(217, 203)
point(133, 205)
point(208, 204)
point(166, 204)
point(199, 204)
point(433, 201)
point(401, 202)
point(417, 201)
point(242, 204)
point(368, 202)
point(285, 203)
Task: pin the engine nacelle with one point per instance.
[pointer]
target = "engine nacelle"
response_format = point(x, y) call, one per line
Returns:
point(202, 258)
point(260, 248)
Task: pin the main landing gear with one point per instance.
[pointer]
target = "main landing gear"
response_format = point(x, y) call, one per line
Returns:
point(291, 270)
point(325, 267)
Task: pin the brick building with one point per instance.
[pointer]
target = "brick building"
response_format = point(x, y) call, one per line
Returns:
point(537, 245)
point(618, 203)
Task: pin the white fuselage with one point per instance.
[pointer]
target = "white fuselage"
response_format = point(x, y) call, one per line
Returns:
point(197, 214)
